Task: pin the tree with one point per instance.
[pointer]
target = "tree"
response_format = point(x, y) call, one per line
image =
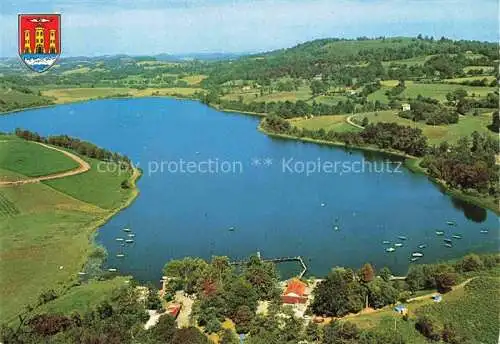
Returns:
point(318, 87)
point(381, 293)
point(240, 293)
point(445, 281)
point(338, 294)
point(365, 122)
point(495, 122)
point(313, 332)
point(471, 262)
point(188, 271)
point(385, 273)
point(428, 327)
point(228, 337)
point(263, 277)
point(243, 319)
point(164, 330)
point(190, 335)
point(366, 273)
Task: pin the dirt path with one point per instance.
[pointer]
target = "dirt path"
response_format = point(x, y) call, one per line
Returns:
point(83, 167)
point(349, 120)
point(428, 296)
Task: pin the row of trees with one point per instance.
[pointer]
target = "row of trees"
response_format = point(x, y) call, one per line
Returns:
point(81, 147)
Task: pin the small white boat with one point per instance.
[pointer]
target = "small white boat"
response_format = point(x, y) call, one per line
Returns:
point(414, 259)
point(231, 229)
point(447, 244)
point(112, 270)
point(457, 236)
point(398, 244)
point(402, 237)
point(127, 230)
point(417, 254)
point(439, 232)
point(129, 241)
point(323, 204)
point(484, 231)
point(131, 235)
point(386, 242)
point(421, 246)
point(390, 249)
point(119, 239)
point(451, 223)
point(336, 228)
point(120, 255)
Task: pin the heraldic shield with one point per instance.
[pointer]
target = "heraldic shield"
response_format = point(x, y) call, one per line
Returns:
point(39, 40)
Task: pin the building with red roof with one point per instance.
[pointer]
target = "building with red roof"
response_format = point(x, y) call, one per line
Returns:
point(295, 292)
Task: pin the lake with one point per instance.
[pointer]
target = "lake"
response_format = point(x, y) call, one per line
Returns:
point(214, 185)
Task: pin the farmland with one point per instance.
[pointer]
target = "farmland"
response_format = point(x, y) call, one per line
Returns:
point(38, 220)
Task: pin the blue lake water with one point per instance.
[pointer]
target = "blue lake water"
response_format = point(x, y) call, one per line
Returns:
point(272, 209)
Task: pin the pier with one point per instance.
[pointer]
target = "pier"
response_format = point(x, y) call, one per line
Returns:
point(276, 261)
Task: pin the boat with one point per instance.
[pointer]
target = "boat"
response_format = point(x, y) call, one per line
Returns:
point(231, 229)
point(398, 244)
point(119, 239)
point(323, 204)
point(451, 223)
point(447, 240)
point(386, 242)
point(131, 235)
point(448, 244)
point(390, 249)
point(336, 228)
point(129, 241)
point(457, 236)
point(81, 273)
point(127, 230)
point(120, 255)
point(417, 254)
point(112, 270)
point(484, 231)
point(421, 246)
point(414, 259)
point(439, 232)
point(402, 237)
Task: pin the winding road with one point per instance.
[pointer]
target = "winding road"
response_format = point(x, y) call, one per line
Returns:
point(82, 168)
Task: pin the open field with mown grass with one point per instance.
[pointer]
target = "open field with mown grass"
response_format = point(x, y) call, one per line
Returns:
point(334, 122)
point(45, 233)
point(436, 91)
point(489, 78)
point(472, 309)
point(31, 159)
point(85, 297)
point(435, 133)
point(68, 95)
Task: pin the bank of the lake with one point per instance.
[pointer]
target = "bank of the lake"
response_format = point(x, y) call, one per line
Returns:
point(181, 215)
point(49, 232)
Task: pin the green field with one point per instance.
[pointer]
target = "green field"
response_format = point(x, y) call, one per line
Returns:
point(45, 233)
point(84, 297)
point(31, 159)
point(439, 133)
point(12, 99)
point(335, 122)
point(436, 91)
point(99, 188)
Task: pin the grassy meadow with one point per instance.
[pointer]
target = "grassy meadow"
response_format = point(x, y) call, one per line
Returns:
point(334, 122)
point(32, 160)
point(38, 220)
point(435, 133)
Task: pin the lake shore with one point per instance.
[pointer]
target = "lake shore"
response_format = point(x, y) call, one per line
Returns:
point(411, 162)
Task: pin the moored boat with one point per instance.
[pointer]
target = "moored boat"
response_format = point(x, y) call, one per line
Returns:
point(398, 244)
point(390, 249)
point(120, 255)
point(119, 239)
point(414, 259)
point(402, 237)
point(131, 235)
point(451, 223)
point(457, 236)
point(127, 230)
point(112, 270)
point(439, 232)
point(386, 242)
point(417, 254)
point(484, 231)
point(129, 241)
point(447, 244)
point(421, 246)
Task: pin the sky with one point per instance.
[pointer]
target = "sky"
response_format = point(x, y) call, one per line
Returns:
point(149, 27)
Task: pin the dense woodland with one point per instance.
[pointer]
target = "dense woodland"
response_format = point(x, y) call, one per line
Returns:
point(222, 292)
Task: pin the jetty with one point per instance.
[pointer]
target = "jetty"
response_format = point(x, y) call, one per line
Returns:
point(277, 260)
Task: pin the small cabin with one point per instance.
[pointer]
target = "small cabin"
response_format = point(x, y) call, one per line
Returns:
point(405, 107)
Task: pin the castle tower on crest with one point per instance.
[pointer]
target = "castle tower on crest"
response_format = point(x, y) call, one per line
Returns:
point(52, 42)
point(39, 40)
point(27, 42)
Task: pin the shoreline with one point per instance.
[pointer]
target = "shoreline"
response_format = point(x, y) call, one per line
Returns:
point(410, 162)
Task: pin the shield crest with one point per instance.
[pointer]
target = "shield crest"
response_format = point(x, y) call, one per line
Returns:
point(39, 40)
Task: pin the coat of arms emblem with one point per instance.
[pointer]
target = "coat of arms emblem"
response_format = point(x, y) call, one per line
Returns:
point(39, 40)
